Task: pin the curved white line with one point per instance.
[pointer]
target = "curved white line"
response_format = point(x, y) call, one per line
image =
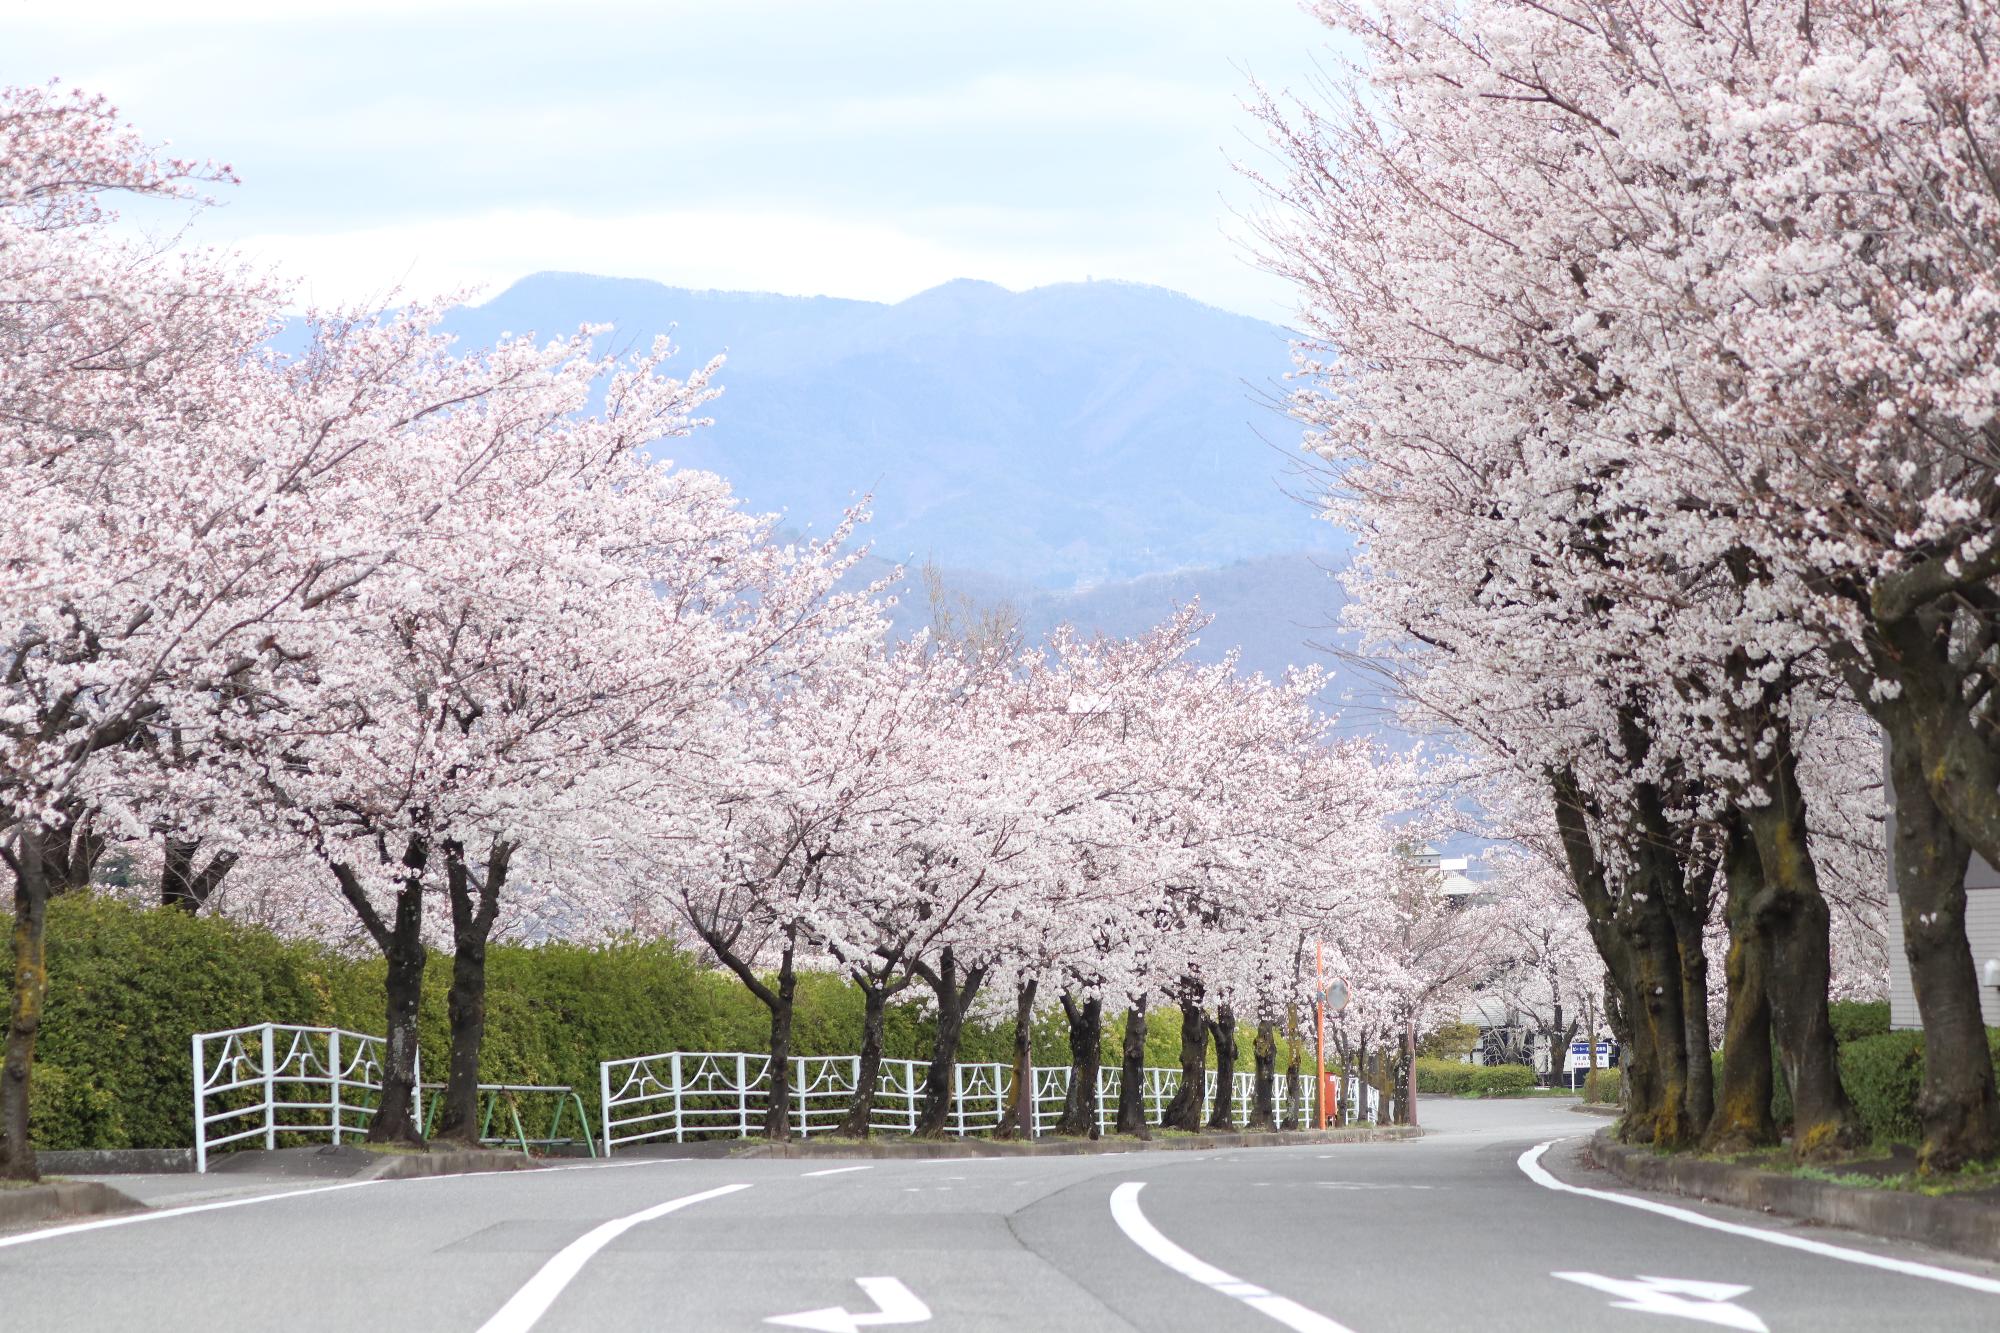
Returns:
point(1125, 1211)
point(160, 1214)
point(532, 1301)
point(1530, 1163)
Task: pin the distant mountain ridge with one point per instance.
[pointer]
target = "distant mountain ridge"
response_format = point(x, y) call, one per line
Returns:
point(1061, 437)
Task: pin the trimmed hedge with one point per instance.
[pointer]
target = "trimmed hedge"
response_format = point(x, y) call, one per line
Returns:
point(1602, 1086)
point(129, 986)
point(1458, 1079)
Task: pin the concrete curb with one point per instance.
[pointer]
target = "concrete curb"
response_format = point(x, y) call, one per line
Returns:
point(1596, 1108)
point(115, 1161)
point(353, 1163)
point(1053, 1147)
point(1963, 1226)
point(63, 1198)
point(459, 1162)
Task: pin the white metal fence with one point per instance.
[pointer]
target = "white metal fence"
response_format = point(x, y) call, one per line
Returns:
point(277, 1078)
point(679, 1095)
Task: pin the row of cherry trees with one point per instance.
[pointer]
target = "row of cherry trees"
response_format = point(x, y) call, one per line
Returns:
point(401, 645)
point(1653, 357)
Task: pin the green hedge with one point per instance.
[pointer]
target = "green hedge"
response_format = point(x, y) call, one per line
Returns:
point(129, 986)
point(1457, 1078)
point(1602, 1086)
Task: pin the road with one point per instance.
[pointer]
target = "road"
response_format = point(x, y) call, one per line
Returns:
point(1450, 1231)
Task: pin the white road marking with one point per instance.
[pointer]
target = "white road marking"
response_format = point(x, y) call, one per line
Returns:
point(838, 1170)
point(532, 1301)
point(1125, 1211)
point(1676, 1297)
point(1531, 1165)
point(157, 1215)
point(895, 1304)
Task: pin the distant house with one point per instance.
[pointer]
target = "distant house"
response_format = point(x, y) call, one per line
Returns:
point(1982, 929)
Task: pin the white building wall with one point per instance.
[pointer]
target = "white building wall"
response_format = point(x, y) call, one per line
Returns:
point(1982, 929)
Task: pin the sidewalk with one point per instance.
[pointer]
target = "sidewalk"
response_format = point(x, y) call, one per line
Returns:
point(1963, 1225)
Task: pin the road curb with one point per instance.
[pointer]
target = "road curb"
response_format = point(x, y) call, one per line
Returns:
point(349, 1162)
point(459, 1162)
point(115, 1161)
point(63, 1198)
point(1595, 1108)
point(1962, 1226)
point(1053, 1147)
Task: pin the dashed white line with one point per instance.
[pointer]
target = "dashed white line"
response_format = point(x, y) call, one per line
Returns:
point(839, 1170)
point(1531, 1165)
point(1125, 1211)
point(532, 1301)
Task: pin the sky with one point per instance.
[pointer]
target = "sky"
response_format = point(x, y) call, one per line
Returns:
point(856, 149)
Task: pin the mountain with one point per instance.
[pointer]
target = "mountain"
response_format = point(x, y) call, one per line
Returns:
point(1063, 438)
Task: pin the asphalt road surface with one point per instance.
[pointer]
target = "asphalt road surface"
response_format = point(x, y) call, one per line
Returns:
point(1453, 1231)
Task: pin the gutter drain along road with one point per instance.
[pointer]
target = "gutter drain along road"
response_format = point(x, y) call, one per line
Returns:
point(1125, 1211)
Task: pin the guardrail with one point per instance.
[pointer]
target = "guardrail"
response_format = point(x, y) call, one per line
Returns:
point(279, 1078)
point(270, 1079)
point(682, 1095)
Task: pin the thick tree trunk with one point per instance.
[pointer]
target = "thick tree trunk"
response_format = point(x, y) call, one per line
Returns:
point(1294, 1105)
point(954, 999)
point(1086, 1041)
point(778, 1096)
point(1132, 1075)
point(1264, 1097)
point(1018, 1121)
point(874, 1011)
point(1693, 952)
point(1742, 1118)
point(183, 886)
point(475, 905)
point(1793, 917)
point(1223, 1114)
point(1956, 1104)
point(31, 985)
point(1184, 1111)
point(395, 1120)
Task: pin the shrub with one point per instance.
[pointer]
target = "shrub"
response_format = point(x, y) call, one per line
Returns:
point(67, 1110)
point(1445, 1076)
point(1882, 1075)
point(1856, 1019)
point(1601, 1086)
point(1502, 1080)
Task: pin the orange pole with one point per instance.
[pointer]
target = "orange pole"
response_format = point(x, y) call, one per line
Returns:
point(1319, 1010)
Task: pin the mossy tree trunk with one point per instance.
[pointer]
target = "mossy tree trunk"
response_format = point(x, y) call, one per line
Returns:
point(1264, 1082)
point(1294, 1102)
point(1223, 1114)
point(1184, 1111)
point(1742, 1118)
point(1131, 1118)
point(1017, 1121)
point(475, 905)
point(401, 941)
point(1956, 1105)
point(1792, 916)
point(955, 990)
point(1086, 1037)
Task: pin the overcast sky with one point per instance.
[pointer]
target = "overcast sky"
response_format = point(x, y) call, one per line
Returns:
point(857, 149)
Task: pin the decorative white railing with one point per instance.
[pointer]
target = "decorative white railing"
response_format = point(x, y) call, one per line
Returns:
point(276, 1078)
point(680, 1095)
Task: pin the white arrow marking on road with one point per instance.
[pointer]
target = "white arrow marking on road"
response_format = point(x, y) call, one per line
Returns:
point(896, 1303)
point(1680, 1297)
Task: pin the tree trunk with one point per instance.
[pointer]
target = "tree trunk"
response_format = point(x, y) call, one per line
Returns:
point(1086, 1042)
point(31, 986)
point(184, 887)
point(1957, 1103)
point(1294, 1106)
point(1264, 1099)
point(778, 1094)
point(1793, 917)
point(954, 999)
point(475, 904)
point(395, 1119)
point(874, 1009)
point(1018, 1121)
point(1223, 1114)
point(1742, 1118)
point(1184, 1111)
point(1132, 1075)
